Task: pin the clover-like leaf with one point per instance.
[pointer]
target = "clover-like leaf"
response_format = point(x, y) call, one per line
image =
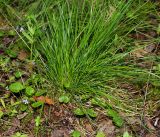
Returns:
point(11, 53)
point(126, 134)
point(16, 87)
point(11, 33)
point(111, 113)
point(37, 121)
point(79, 112)
point(98, 102)
point(29, 91)
point(2, 33)
point(91, 113)
point(18, 74)
point(23, 107)
point(64, 99)
point(76, 133)
point(40, 92)
point(37, 104)
point(100, 134)
point(115, 117)
point(118, 121)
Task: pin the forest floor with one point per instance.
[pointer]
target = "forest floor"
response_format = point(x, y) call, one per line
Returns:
point(20, 116)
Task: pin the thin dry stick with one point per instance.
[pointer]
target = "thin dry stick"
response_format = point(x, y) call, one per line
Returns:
point(144, 102)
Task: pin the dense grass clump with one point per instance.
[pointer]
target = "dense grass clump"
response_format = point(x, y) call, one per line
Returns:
point(84, 46)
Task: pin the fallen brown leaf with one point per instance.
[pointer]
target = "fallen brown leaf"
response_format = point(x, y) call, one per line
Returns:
point(44, 99)
point(139, 53)
point(16, 122)
point(21, 116)
point(107, 128)
point(40, 98)
point(30, 66)
point(7, 40)
point(89, 127)
point(151, 135)
point(150, 48)
point(63, 132)
point(149, 125)
point(48, 101)
point(22, 55)
point(9, 132)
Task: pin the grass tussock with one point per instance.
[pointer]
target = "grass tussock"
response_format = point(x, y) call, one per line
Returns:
point(84, 45)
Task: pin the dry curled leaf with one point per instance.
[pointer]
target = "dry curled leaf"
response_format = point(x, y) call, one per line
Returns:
point(89, 127)
point(149, 124)
point(30, 66)
point(44, 99)
point(107, 127)
point(21, 116)
point(22, 55)
point(139, 53)
point(40, 98)
point(48, 101)
point(151, 135)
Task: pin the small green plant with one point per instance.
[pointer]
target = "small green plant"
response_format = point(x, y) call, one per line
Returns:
point(18, 134)
point(3, 103)
point(29, 91)
point(16, 87)
point(18, 74)
point(37, 121)
point(23, 107)
point(115, 117)
point(98, 102)
point(40, 93)
point(2, 34)
point(76, 133)
point(82, 112)
point(64, 99)
point(37, 104)
point(79, 112)
point(126, 134)
point(11, 53)
point(100, 134)
point(91, 113)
